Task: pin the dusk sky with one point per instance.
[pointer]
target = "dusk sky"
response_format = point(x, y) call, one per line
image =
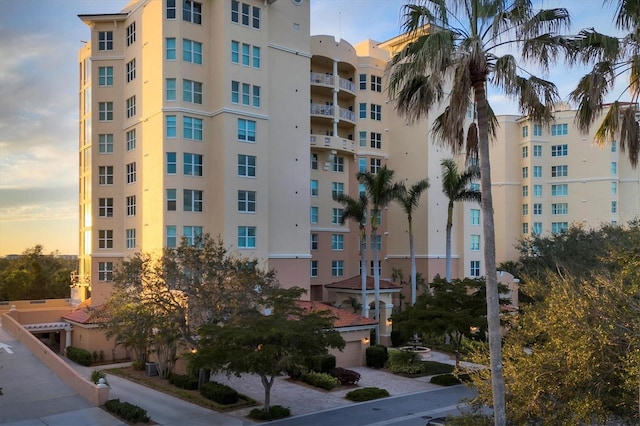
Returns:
point(39, 43)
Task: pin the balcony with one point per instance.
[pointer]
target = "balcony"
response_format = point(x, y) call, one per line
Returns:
point(322, 109)
point(348, 115)
point(332, 143)
point(320, 78)
point(347, 85)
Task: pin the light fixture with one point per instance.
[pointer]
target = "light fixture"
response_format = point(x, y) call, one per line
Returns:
point(365, 341)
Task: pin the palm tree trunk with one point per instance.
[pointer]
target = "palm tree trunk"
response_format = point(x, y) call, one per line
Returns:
point(363, 274)
point(448, 249)
point(412, 252)
point(493, 306)
point(376, 281)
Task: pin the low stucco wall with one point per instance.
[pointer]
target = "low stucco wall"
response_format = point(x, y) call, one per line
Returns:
point(24, 305)
point(82, 386)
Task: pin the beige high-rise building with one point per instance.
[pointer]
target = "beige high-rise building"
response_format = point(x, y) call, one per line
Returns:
point(227, 117)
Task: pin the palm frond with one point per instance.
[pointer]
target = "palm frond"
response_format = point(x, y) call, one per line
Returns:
point(544, 21)
point(448, 130)
point(472, 142)
point(627, 14)
point(545, 49)
point(537, 98)
point(630, 134)
point(590, 93)
point(589, 45)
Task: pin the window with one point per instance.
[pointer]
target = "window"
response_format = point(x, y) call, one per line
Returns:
point(376, 245)
point(171, 126)
point(105, 144)
point(172, 200)
point(246, 237)
point(191, 51)
point(377, 215)
point(337, 164)
point(474, 215)
point(559, 150)
point(537, 228)
point(537, 208)
point(131, 70)
point(559, 171)
point(614, 168)
point(537, 171)
point(314, 241)
point(245, 54)
point(362, 79)
point(362, 164)
point(525, 209)
point(314, 214)
point(105, 238)
point(336, 216)
point(170, 54)
point(192, 128)
point(235, 92)
point(337, 242)
point(105, 111)
point(537, 150)
point(105, 76)
point(537, 130)
point(172, 238)
point(131, 33)
point(614, 146)
point(474, 268)
point(559, 129)
point(475, 243)
point(192, 200)
point(525, 131)
point(105, 207)
point(559, 227)
point(374, 165)
point(256, 57)
point(131, 205)
point(192, 233)
point(105, 271)
point(171, 9)
point(255, 96)
point(105, 40)
point(376, 112)
point(246, 165)
point(337, 268)
point(130, 238)
point(131, 172)
point(337, 189)
point(247, 201)
point(537, 190)
point(245, 14)
point(362, 139)
point(172, 163)
point(314, 188)
point(525, 172)
point(314, 161)
point(131, 107)
point(235, 52)
point(559, 208)
point(525, 190)
point(314, 268)
point(192, 164)
point(170, 89)
point(560, 190)
point(525, 151)
point(376, 83)
point(474, 186)
point(246, 130)
point(192, 91)
point(525, 228)
point(362, 111)
point(614, 187)
point(105, 175)
point(371, 271)
point(192, 11)
point(376, 140)
point(614, 207)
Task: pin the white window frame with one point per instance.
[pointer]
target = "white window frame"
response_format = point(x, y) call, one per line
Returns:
point(192, 91)
point(192, 200)
point(105, 207)
point(246, 201)
point(247, 237)
point(131, 172)
point(245, 168)
point(131, 205)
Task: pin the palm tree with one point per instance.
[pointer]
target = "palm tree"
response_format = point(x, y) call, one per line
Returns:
point(356, 210)
point(408, 200)
point(456, 187)
point(614, 57)
point(452, 56)
point(380, 191)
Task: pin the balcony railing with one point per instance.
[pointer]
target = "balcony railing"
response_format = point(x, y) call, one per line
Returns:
point(347, 85)
point(332, 142)
point(321, 109)
point(347, 114)
point(320, 78)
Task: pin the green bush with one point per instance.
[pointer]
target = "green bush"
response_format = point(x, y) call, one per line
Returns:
point(376, 356)
point(366, 394)
point(275, 412)
point(97, 375)
point(405, 362)
point(345, 376)
point(323, 363)
point(445, 380)
point(79, 355)
point(470, 420)
point(183, 381)
point(434, 367)
point(222, 394)
point(127, 411)
point(320, 380)
point(397, 338)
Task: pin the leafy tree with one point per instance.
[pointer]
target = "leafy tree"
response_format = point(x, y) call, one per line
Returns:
point(381, 191)
point(613, 57)
point(398, 275)
point(267, 343)
point(408, 200)
point(454, 52)
point(356, 210)
point(456, 186)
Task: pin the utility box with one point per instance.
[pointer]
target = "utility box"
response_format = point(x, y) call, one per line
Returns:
point(151, 369)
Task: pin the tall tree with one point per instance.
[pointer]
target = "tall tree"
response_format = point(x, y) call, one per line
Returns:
point(457, 187)
point(356, 210)
point(408, 200)
point(614, 57)
point(381, 190)
point(454, 53)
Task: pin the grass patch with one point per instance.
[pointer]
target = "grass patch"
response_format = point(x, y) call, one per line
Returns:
point(163, 385)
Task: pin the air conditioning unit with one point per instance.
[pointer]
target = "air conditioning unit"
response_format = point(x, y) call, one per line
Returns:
point(151, 369)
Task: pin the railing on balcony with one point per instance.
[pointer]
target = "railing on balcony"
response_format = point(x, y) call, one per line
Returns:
point(320, 78)
point(332, 142)
point(321, 109)
point(347, 85)
point(347, 114)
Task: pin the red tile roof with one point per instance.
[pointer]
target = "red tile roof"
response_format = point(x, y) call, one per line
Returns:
point(343, 318)
point(85, 314)
point(355, 283)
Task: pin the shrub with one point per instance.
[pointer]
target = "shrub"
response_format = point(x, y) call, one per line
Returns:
point(470, 420)
point(320, 380)
point(376, 356)
point(127, 411)
point(397, 338)
point(434, 367)
point(406, 362)
point(366, 394)
point(323, 363)
point(97, 375)
point(79, 355)
point(445, 380)
point(275, 412)
point(344, 376)
point(183, 382)
point(138, 365)
point(222, 394)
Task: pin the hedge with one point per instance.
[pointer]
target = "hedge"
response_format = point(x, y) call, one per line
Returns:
point(79, 356)
point(183, 381)
point(366, 394)
point(217, 392)
point(320, 380)
point(376, 356)
point(127, 411)
point(275, 412)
